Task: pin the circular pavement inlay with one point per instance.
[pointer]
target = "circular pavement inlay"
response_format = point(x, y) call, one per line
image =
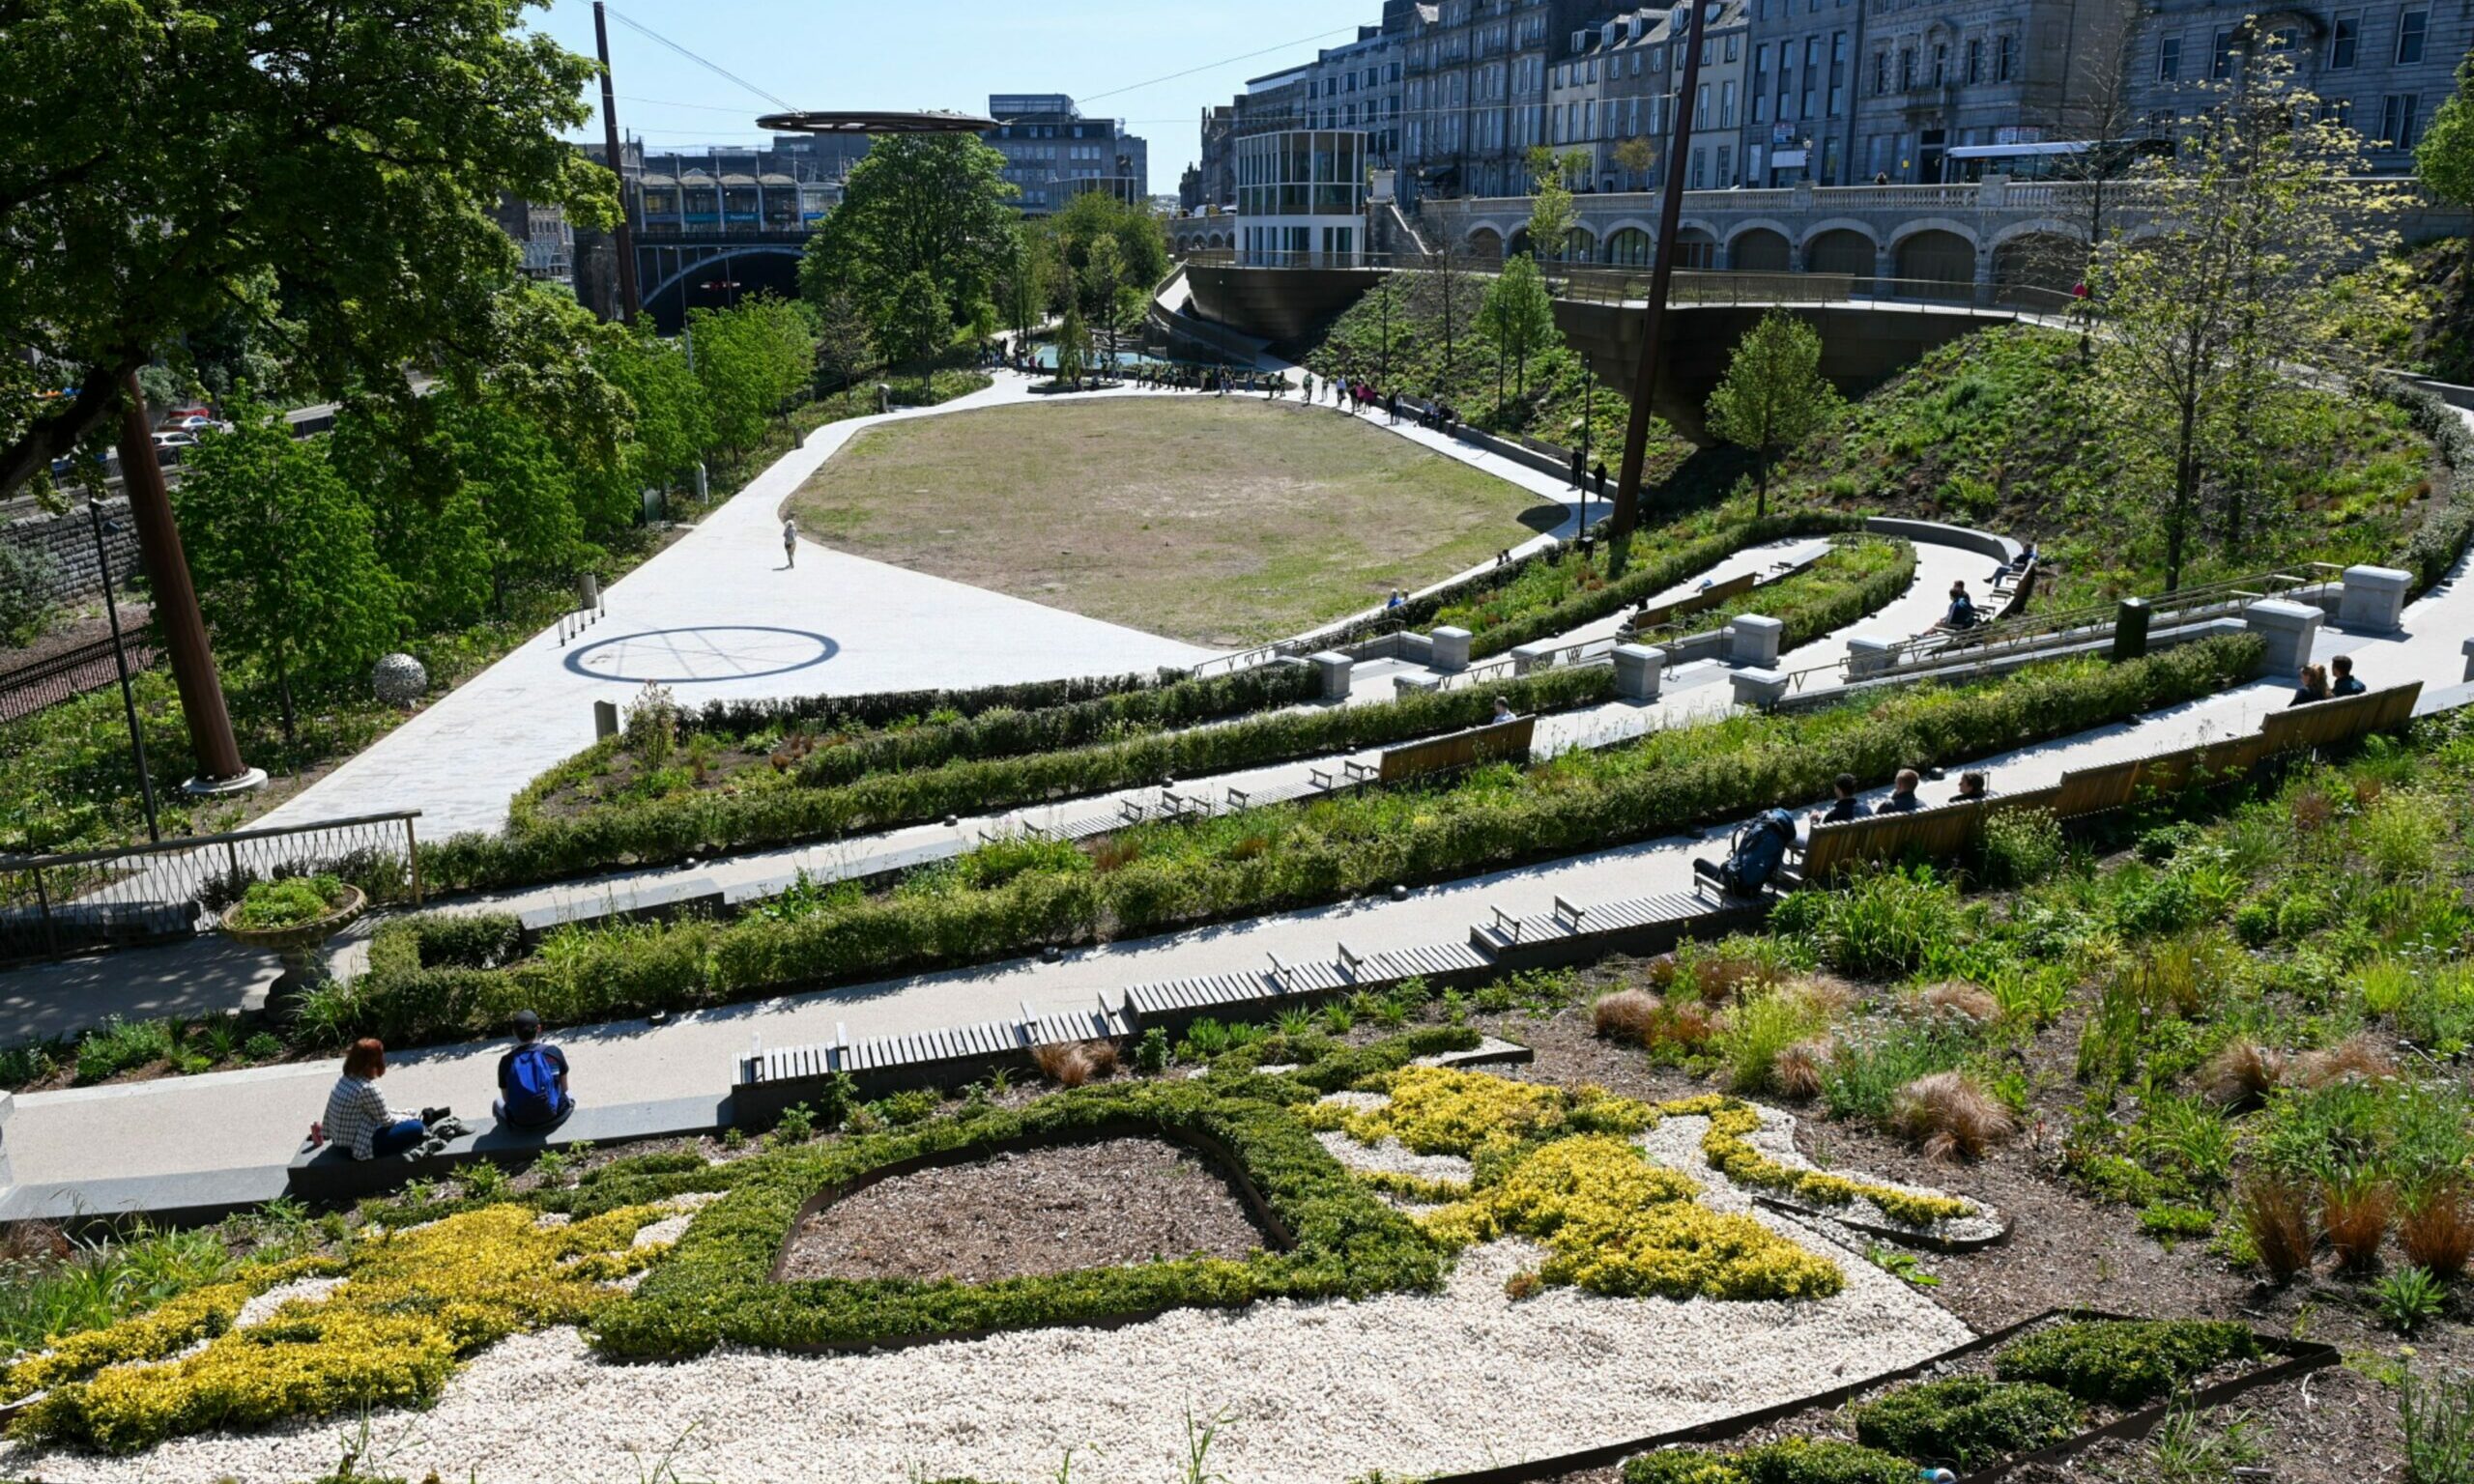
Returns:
point(701, 656)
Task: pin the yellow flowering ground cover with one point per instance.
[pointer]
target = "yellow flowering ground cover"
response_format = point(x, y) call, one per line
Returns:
point(1559, 1166)
point(411, 1306)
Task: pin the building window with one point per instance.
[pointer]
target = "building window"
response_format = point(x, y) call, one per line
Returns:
point(1735, 48)
point(1906, 69)
point(2413, 27)
point(1726, 164)
point(1975, 59)
point(2339, 111)
point(1726, 113)
point(1941, 62)
point(2169, 59)
point(2221, 63)
point(2345, 40)
point(1881, 72)
point(1701, 107)
point(2005, 52)
point(2396, 121)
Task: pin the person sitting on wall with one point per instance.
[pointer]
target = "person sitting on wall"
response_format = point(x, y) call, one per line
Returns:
point(533, 1080)
point(358, 1120)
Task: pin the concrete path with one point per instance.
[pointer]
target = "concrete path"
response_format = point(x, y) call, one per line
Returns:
point(718, 616)
point(149, 1127)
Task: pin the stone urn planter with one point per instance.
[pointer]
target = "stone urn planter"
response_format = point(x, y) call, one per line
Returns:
point(299, 947)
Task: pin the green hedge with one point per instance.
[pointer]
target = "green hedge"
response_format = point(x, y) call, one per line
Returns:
point(1788, 1461)
point(1967, 1421)
point(1652, 573)
point(2127, 1363)
point(1008, 733)
point(659, 830)
point(2434, 548)
point(886, 708)
point(1292, 855)
point(715, 1287)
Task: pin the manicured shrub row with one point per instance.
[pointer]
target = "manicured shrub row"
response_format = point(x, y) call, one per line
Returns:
point(2125, 1362)
point(659, 830)
point(1967, 1421)
point(716, 1288)
point(1652, 572)
point(1788, 1461)
point(1288, 855)
point(2443, 536)
point(1006, 733)
point(886, 708)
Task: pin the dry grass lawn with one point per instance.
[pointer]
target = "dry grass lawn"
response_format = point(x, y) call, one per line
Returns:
point(1227, 522)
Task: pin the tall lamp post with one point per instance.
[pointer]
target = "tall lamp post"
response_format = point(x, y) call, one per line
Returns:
point(120, 658)
point(1645, 382)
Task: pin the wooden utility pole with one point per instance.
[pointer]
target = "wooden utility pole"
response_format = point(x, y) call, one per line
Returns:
point(219, 769)
point(630, 305)
point(1645, 380)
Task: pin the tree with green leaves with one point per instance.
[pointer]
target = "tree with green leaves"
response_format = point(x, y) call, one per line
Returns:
point(846, 343)
point(164, 158)
point(282, 551)
point(1552, 213)
point(669, 428)
point(1518, 315)
point(1104, 286)
point(1773, 395)
point(1072, 345)
point(932, 204)
point(921, 327)
point(2445, 159)
point(515, 490)
point(752, 360)
point(2207, 322)
point(1095, 216)
point(1026, 272)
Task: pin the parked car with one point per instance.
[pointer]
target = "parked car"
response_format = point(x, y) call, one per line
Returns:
point(176, 438)
point(199, 423)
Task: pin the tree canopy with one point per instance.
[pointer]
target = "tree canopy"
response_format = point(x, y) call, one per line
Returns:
point(163, 159)
point(932, 204)
point(1773, 395)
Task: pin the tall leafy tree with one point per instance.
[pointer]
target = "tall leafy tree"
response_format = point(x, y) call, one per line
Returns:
point(1518, 315)
point(164, 156)
point(670, 428)
point(751, 361)
point(1094, 217)
point(1025, 270)
point(2445, 159)
point(2207, 321)
point(846, 343)
point(283, 553)
point(1773, 395)
point(922, 325)
point(1103, 288)
point(932, 204)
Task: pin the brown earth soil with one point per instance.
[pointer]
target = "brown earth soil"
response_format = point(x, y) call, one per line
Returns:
point(1018, 1215)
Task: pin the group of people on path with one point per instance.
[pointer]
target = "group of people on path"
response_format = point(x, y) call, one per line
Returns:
point(533, 1094)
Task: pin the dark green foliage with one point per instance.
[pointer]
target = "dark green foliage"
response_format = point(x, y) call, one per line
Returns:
point(2125, 1362)
point(889, 708)
point(1788, 1461)
point(1279, 856)
point(715, 1286)
point(1967, 1421)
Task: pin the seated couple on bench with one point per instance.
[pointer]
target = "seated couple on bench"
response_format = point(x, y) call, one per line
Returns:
point(533, 1094)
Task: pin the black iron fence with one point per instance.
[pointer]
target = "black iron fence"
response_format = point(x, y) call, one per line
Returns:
point(72, 672)
point(81, 901)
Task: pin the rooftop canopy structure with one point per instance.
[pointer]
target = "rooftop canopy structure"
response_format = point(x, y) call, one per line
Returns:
point(932, 121)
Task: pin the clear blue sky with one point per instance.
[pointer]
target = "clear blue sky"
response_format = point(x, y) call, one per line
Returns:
point(947, 54)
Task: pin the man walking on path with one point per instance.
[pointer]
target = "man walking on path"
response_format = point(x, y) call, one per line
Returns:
point(1580, 471)
point(790, 544)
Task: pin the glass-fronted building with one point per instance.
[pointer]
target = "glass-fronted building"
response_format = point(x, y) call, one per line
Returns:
point(1300, 197)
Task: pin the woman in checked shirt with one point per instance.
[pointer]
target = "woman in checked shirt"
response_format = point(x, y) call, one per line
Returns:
point(358, 1118)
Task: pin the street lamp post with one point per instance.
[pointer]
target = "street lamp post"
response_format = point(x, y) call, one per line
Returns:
point(120, 658)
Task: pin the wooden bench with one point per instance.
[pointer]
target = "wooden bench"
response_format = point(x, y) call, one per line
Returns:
point(1646, 617)
point(1497, 742)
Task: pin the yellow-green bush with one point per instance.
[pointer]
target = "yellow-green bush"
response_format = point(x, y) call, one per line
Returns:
point(411, 1306)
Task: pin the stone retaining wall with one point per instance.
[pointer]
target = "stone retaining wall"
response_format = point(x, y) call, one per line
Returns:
point(67, 542)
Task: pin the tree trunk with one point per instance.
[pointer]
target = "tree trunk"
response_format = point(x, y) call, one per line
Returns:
point(1761, 484)
point(284, 696)
point(2186, 483)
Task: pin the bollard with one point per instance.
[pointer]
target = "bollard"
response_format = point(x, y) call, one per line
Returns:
point(2130, 630)
point(1753, 640)
point(1451, 649)
point(1332, 673)
point(1867, 656)
point(2373, 599)
point(1638, 669)
point(2289, 630)
point(1761, 689)
point(605, 720)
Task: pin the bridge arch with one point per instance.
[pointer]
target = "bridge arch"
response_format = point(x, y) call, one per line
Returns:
point(1939, 257)
point(1841, 245)
point(1761, 245)
point(1916, 225)
point(1630, 245)
point(1696, 246)
point(2050, 260)
point(2041, 226)
point(1485, 241)
point(678, 280)
point(1517, 244)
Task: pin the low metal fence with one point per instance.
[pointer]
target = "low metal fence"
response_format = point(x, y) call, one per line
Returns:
point(72, 672)
point(82, 902)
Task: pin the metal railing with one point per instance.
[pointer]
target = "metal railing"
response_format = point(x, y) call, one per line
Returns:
point(80, 902)
point(69, 674)
point(1964, 651)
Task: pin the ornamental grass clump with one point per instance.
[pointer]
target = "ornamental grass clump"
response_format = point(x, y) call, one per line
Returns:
point(1788, 1461)
point(411, 1306)
point(1967, 1421)
point(1950, 1115)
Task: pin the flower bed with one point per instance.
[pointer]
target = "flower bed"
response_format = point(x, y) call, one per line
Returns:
point(1164, 875)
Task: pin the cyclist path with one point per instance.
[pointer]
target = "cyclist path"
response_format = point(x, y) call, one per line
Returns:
point(150, 1128)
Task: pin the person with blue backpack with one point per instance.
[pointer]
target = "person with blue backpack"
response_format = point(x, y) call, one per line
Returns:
point(1754, 856)
point(533, 1080)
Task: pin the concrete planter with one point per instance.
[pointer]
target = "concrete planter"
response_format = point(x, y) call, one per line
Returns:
point(298, 947)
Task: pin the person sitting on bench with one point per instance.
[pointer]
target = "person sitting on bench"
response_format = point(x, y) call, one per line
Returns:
point(1504, 712)
point(1901, 799)
point(533, 1080)
point(358, 1120)
point(1843, 806)
point(2341, 681)
point(1972, 789)
point(1962, 614)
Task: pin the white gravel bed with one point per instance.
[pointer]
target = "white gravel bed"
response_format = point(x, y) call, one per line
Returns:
point(258, 1310)
point(1356, 1102)
point(1676, 1142)
point(1394, 1157)
point(1309, 1392)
